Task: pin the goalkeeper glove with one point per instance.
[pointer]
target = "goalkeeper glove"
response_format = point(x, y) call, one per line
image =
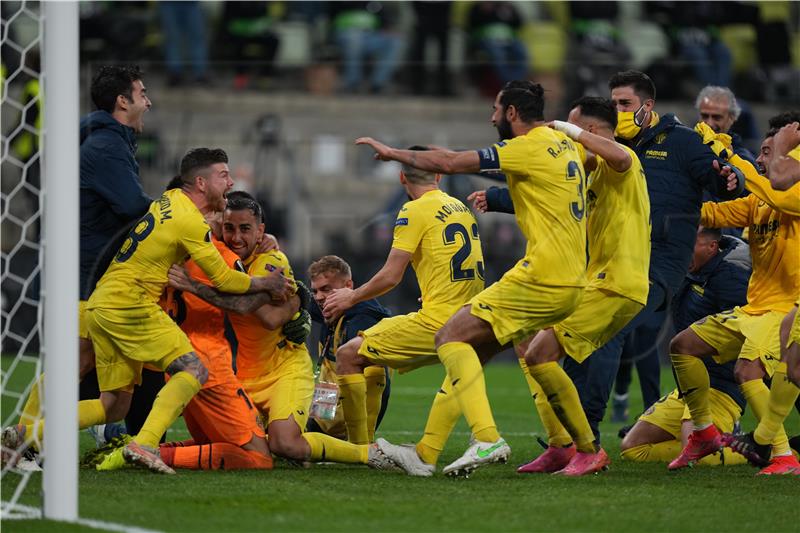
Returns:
point(720, 143)
point(304, 294)
point(298, 328)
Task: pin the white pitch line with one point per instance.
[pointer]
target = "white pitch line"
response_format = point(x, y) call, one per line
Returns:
point(26, 512)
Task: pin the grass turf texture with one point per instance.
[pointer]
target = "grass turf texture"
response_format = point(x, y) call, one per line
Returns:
point(629, 497)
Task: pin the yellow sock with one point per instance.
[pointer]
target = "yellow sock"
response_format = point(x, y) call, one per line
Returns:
point(782, 395)
point(662, 452)
point(557, 434)
point(466, 375)
point(33, 409)
point(442, 418)
point(757, 395)
point(168, 405)
point(90, 413)
point(725, 457)
point(353, 393)
point(327, 448)
point(693, 383)
point(565, 403)
point(375, 377)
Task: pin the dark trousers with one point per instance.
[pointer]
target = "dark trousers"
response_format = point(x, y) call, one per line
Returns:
point(594, 378)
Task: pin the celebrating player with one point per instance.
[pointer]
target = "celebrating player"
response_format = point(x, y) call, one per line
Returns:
point(749, 333)
point(438, 235)
point(126, 324)
point(544, 171)
point(275, 372)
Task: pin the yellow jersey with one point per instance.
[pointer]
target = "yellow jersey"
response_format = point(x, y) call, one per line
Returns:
point(442, 235)
point(618, 227)
point(171, 231)
point(546, 180)
point(774, 238)
point(260, 349)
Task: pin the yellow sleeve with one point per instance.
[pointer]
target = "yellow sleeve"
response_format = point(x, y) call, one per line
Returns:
point(732, 214)
point(268, 262)
point(785, 201)
point(197, 241)
point(514, 155)
point(408, 229)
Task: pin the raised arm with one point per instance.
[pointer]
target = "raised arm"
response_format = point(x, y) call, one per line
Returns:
point(784, 171)
point(384, 280)
point(786, 201)
point(614, 154)
point(442, 161)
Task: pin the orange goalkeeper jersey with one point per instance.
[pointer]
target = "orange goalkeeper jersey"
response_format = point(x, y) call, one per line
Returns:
point(203, 322)
point(774, 247)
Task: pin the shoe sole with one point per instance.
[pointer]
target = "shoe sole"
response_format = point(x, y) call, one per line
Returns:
point(465, 471)
point(144, 460)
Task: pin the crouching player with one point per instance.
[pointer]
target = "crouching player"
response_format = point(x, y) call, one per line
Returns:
point(717, 280)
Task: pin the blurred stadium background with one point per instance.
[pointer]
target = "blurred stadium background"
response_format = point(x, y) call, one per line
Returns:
point(267, 81)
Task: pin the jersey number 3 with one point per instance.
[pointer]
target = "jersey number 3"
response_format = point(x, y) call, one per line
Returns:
point(457, 272)
point(139, 233)
point(574, 171)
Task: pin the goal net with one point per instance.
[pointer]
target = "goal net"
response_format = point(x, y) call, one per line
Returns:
point(39, 203)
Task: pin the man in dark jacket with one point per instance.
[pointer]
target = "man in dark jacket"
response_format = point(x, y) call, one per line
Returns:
point(326, 274)
point(678, 168)
point(111, 199)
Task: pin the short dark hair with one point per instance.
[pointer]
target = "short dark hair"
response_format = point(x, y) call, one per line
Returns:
point(112, 81)
point(199, 159)
point(175, 183)
point(782, 119)
point(715, 234)
point(241, 200)
point(597, 107)
point(642, 85)
point(527, 97)
point(415, 175)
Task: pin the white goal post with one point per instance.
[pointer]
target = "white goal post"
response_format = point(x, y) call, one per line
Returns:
point(60, 241)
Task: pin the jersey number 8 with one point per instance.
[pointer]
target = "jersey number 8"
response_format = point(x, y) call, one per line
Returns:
point(139, 233)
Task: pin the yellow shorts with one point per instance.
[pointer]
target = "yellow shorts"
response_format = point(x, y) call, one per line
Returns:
point(737, 334)
point(516, 308)
point(794, 333)
point(402, 342)
point(83, 328)
point(600, 316)
point(125, 339)
point(670, 411)
point(285, 389)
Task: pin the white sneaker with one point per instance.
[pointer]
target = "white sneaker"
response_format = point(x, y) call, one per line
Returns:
point(378, 460)
point(479, 453)
point(405, 456)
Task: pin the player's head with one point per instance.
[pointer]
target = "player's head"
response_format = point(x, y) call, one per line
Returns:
point(413, 177)
point(242, 224)
point(593, 113)
point(765, 153)
point(634, 95)
point(205, 171)
point(717, 107)
point(120, 91)
point(705, 247)
point(520, 101)
point(326, 274)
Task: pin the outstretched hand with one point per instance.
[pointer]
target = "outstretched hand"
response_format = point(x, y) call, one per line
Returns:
point(787, 139)
point(478, 199)
point(382, 152)
point(728, 173)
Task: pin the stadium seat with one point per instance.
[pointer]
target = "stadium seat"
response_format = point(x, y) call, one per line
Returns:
point(741, 41)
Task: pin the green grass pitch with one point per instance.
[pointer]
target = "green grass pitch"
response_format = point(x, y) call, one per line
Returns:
point(329, 497)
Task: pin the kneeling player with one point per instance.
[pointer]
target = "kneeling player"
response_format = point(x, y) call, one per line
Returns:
point(664, 428)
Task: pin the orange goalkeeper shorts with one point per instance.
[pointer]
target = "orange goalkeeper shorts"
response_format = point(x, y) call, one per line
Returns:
point(222, 413)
